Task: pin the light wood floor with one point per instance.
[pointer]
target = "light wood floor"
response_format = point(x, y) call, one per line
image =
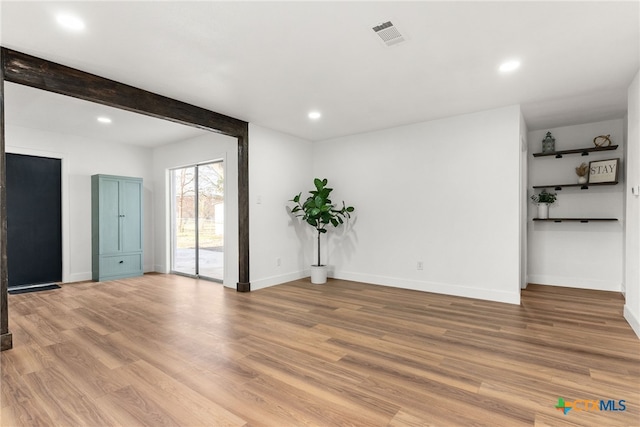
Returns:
point(166, 350)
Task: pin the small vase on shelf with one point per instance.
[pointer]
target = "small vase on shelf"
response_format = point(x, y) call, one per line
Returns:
point(582, 171)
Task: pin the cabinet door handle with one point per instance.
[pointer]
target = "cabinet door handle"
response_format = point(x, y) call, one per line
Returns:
point(121, 262)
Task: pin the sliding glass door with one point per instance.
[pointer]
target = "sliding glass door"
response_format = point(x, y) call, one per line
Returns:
point(197, 221)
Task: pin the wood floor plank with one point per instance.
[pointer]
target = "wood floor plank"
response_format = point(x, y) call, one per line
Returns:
point(238, 397)
point(12, 392)
point(133, 407)
point(99, 346)
point(429, 405)
point(40, 330)
point(311, 407)
point(176, 397)
point(331, 390)
point(84, 370)
point(28, 358)
point(26, 414)
point(164, 350)
point(66, 404)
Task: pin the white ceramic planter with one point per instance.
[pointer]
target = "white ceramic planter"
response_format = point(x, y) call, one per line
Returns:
point(318, 274)
point(543, 210)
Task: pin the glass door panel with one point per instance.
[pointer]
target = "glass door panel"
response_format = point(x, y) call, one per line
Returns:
point(211, 220)
point(197, 221)
point(183, 233)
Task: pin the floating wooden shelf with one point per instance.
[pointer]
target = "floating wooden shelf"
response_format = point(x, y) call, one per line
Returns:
point(586, 186)
point(582, 151)
point(574, 219)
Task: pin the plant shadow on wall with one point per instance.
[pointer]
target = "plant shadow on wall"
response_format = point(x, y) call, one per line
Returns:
point(343, 243)
point(319, 212)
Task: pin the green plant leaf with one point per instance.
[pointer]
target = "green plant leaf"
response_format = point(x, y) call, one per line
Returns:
point(318, 210)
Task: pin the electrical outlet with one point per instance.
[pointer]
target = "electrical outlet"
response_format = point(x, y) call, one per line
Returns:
point(420, 265)
point(278, 262)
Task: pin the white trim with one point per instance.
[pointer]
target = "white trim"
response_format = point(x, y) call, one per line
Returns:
point(166, 268)
point(575, 282)
point(66, 227)
point(632, 320)
point(278, 280)
point(79, 277)
point(438, 288)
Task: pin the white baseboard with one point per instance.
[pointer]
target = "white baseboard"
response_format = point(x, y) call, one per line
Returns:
point(277, 280)
point(576, 282)
point(438, 288)
point(633, 321)
point(159, 268)
point(78, 277)
point(83, 277)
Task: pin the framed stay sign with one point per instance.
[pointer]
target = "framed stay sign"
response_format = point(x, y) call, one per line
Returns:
point(603, 171)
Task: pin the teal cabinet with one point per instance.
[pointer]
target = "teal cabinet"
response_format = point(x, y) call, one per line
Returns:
point(116, 227)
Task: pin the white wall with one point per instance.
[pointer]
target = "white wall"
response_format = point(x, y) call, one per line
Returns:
point(82, 158)
point(280, 166)
point(632, 223)
point(208, 147)
point(524, 182)
point(444, 192)
point(575, 254)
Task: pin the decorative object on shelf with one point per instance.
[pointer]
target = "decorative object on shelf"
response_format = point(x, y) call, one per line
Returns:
point(603, 171)
point(582, 172)
point(548, 143)
point(543, 200)
point(602, 141)
point(318, 211)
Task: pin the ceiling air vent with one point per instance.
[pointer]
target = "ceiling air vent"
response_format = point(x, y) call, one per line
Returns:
point(388, 33)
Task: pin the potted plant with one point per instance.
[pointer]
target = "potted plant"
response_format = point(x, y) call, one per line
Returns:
point(543, 200)
point(319, 212)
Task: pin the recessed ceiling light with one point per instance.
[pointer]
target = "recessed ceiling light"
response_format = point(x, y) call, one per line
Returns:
point(509, 66)
point(103, 119)
point(70, 22)
point(315, 115)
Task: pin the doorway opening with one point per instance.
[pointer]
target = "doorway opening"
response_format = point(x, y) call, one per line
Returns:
point(197, 221)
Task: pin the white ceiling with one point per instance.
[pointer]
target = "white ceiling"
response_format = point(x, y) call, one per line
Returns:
point(270, 63)
point(51, 112)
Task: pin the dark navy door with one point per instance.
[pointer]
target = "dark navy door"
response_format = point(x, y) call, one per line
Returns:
point(34, 219)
